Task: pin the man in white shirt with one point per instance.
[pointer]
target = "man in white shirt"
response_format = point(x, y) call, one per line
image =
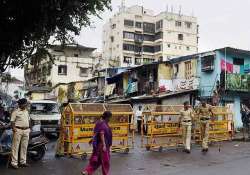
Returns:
point(138, 114)
point(21, 129)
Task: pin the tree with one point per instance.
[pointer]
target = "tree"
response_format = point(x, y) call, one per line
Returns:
point(27, 26)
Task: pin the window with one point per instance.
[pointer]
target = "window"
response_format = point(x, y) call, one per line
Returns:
point(44, 108)
point(176, 69)
point(148, 60)
point(75, 55)
point(158, 35)
point(83, 72)
point(149, 49)
point(128, 47)
point(207, 63)
point(127, 60)
point(112, 39)
point(138, 25)
point(188, 48)
point(138, 49)
point(238, 61)
point(113, 26)
point(188, 69)
point(178, 23)
point(128, 35)
point(158, 48)
point(180, 37)
point(138, 61)
point(148, 27)
point(148, 37)
point(180, 47)
point(169, 45)
point(188, 24)
point(129, 23)
point(159, 24)
point(138, 38)
point(62, 70)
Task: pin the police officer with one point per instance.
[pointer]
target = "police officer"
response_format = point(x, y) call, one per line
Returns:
point(186, 116)
point(21, 130)
point(245, 118)
point(204, 112)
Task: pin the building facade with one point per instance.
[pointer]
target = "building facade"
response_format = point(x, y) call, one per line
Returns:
point(225, 72)
point(221, 77)
point(70, 63)
point(136, 36)
point(11, 86)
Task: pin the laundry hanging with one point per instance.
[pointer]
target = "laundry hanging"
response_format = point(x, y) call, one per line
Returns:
point(226, 66)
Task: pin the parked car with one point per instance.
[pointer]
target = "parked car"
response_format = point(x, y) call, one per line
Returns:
point(46, 114)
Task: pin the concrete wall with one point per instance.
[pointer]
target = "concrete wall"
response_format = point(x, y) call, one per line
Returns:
point(177, 100)
point(37, 96)
point(73, 70)
point(208, 79)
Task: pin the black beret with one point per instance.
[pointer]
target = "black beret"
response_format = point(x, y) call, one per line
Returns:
point(22, 101)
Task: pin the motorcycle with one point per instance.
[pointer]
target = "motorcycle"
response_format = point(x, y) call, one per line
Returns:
point(36, 146)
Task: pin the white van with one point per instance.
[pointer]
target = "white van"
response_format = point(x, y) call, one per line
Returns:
point(46, 114)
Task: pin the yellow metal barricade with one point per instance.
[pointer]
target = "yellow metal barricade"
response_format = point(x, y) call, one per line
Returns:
point(160, 127)
point(220, 128)
point(78, 121)
point(121, 122)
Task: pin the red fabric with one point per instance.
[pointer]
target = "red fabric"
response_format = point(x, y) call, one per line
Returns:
point(226, 66)
point(97, 159)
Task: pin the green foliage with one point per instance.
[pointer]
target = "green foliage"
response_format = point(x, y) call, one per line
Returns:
point(26, 26)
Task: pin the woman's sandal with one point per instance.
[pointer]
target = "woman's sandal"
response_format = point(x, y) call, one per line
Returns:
point(84, 173)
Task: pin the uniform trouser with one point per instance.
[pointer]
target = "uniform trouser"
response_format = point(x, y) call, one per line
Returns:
point(186, 134)
point(246, 130)
point(20, 139)
point(204, 134)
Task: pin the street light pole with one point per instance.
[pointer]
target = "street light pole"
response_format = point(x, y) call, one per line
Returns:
point(105, 83)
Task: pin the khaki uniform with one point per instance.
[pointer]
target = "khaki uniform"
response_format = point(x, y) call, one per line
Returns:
point(204, 114)
point(186, 122)
point(21, 136)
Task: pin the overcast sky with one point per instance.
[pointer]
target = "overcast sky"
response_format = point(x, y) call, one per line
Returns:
point(222, 22)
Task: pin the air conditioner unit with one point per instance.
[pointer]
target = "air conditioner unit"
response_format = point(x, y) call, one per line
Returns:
point(207, 68)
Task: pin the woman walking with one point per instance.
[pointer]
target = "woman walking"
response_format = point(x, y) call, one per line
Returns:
point(102, 141)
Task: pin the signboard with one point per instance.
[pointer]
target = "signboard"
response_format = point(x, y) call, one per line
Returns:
point(86, 132)
point(164, 128)
point(238, 82)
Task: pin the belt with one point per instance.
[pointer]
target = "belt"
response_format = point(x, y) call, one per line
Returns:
point(186, 121)
point(204, 119)
point(22, 128)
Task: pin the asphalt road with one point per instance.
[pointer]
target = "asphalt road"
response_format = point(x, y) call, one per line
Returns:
point(233, 158)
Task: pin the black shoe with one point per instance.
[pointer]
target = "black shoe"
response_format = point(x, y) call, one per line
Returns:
point(187, 151)
point(24, 165)
point(204, 150)
point(14, 166)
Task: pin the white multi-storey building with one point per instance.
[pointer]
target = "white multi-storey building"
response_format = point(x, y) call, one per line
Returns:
point(71, 63)
point(136, 36)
